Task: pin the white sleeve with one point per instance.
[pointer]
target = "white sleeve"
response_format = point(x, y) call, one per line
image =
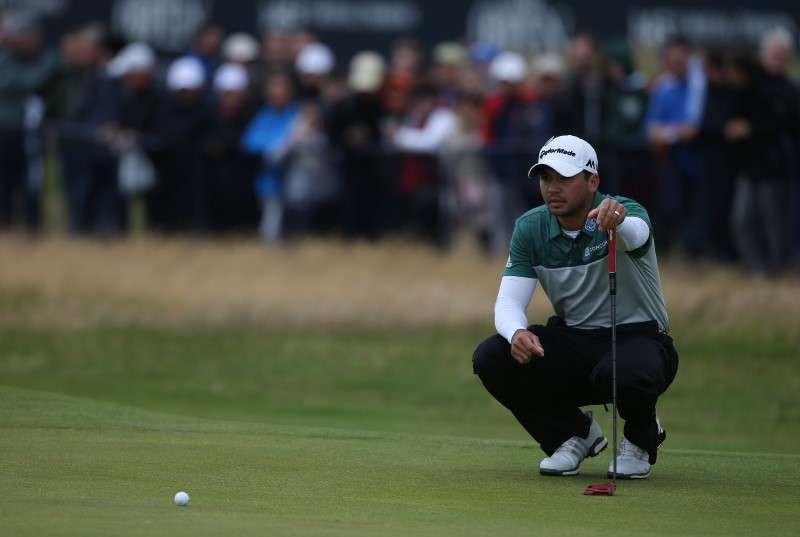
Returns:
point(429, 138)
point(512, 300)
point(633, 232)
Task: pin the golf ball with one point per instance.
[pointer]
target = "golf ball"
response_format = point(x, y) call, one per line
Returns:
point(181, 499)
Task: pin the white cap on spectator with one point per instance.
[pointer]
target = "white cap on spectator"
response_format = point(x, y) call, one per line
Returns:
point(314, 59)
point(185, 73)
point(366, 72)
point(568, 155)
point(240, 47)
point(134, 58)
point(507, 67)
point(549, 64)
point(231, 77)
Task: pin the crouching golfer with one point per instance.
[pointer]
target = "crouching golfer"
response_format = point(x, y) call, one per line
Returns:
point(544, 373)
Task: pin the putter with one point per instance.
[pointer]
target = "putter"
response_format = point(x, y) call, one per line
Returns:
point(608, 489)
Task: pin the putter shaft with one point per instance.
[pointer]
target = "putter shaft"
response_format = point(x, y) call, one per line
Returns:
point(612, 286)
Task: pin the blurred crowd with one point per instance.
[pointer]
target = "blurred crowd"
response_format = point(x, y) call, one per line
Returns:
point(279, 137)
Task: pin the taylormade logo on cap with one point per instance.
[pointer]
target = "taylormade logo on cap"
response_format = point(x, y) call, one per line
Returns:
point(568, 155)
point(546, 152)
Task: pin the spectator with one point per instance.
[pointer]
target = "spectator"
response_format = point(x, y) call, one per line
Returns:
point(467, 172)
point(277, 56)
point(129, 115)
point(671, 125)
point(404, 70)
point(26, 66)
point(79, 102)
point(297, 41)
point(230, 170)
point(719, 161)
point(548, 71)
point(242, 49)
point(579, 106)
point(422, 137)
point(354, 128)
point(205, 48)
point(449, 62)
point(508, 112)
point(474, 77)
point(761, 214)
point(269, 136)
point(311, 181)
point(313, 66)
point(180, 199)
point(623, 151)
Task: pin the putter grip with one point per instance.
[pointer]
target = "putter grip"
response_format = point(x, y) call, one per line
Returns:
point(612, 261)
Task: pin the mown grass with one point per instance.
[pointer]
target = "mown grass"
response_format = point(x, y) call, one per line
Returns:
point(326, 389)
point(363, 432)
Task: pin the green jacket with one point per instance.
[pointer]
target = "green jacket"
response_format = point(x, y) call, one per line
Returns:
point(19, 79)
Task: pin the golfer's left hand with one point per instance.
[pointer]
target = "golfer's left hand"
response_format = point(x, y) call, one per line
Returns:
point(609, 214)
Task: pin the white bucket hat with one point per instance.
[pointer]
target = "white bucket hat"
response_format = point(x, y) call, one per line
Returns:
point(366, 72)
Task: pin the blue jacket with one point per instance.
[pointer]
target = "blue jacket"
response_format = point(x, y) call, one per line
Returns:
point(268, 135)
point(669, 102)
point(675, 101)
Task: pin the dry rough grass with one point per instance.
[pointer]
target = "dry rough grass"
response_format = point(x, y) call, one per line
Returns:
point(68, 282)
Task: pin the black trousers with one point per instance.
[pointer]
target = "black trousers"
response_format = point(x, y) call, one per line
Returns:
point(546, 393)
point(17, 194)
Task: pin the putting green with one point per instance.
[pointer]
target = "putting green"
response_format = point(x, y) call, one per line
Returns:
point(352, 432)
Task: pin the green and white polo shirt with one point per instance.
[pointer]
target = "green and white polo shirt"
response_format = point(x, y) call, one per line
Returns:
point(574, 272)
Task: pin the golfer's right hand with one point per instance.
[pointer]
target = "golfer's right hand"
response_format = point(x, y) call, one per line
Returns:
point(525, 345)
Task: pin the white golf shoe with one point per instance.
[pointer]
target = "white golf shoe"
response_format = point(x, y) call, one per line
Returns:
point(632, 461)
point(568, 457)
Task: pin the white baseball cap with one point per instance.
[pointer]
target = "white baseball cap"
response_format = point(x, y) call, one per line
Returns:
point(134, 58)
point(314, 59)
point(240, 47)
point(508, 67)
point(568, 155)
point(231, 77)
point(185, 73)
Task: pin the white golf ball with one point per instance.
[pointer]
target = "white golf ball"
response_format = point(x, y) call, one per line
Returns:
point(181, 499)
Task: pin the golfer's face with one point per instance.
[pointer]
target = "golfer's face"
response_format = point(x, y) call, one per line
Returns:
point(563, 195)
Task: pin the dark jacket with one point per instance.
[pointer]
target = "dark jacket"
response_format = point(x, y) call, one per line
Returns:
point(774, 113)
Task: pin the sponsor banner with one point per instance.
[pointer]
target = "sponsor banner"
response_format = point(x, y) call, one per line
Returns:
point(353, 25)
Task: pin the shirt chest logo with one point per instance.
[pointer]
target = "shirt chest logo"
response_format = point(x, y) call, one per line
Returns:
point(587, 253)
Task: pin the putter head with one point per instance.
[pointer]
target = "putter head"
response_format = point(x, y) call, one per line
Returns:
point(600, 489)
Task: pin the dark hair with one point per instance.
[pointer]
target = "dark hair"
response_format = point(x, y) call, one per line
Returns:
point(746, 65)
point(406, 42)
point(677, 41)
point(204, 28)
